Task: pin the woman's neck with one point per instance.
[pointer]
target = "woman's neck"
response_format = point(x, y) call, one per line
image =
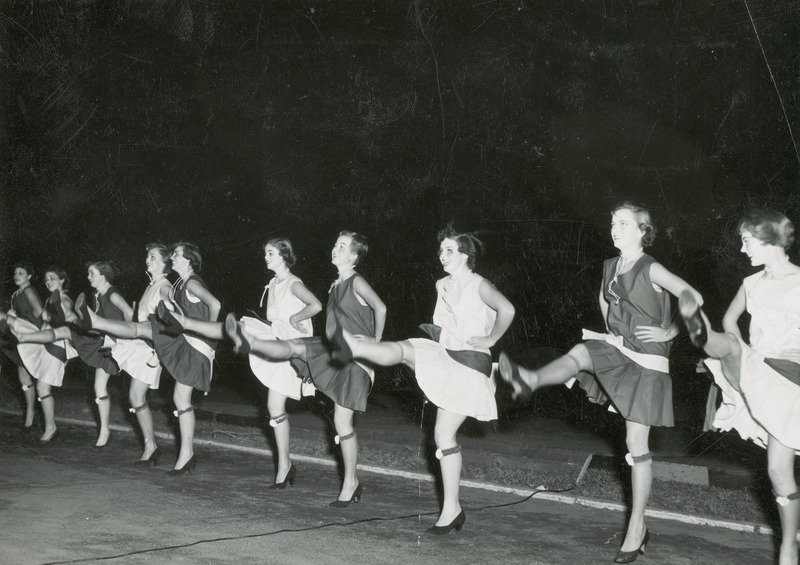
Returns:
point(103, 288)
point(460, 273)
point(777, 266)
point(631, 253)
point(155, 278)
point(346, 272)
point(281, 272)
point(185, 273)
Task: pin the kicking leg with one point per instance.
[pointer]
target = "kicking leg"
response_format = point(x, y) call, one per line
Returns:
point(526, 381)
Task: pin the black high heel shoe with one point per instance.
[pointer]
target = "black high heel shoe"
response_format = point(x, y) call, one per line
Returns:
point(172, 327)
point(234, 332)
point(189, 466)
point(84, 320)
point(631, 556)
point(693, 318)
point(341, 353)
point(51, 439)
point(345, 503)
point(509, 372)
point(105, 444)
point(154, 457)
point(290, 476)
point(456, 524)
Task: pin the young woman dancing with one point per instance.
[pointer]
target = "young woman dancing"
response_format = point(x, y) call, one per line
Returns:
point(25, 305)
point(760, 382)
point(629, 365)
point(138, 358)
point(354, 305)
point(47, 358)
point(290, 307)
point(454, 370)
point(188, 358)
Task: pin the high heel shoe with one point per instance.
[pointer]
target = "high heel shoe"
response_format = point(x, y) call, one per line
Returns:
point(290, 476)
point(51, 438)
point(105, 444)
point(341, 353)
point(154, 457)
point(189, 466)
point(631, 556)
point(509, 372)
point(693, 318)
point(345, 503)
point(456, 524)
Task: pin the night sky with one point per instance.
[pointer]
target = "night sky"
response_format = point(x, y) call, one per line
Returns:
point(228, 123)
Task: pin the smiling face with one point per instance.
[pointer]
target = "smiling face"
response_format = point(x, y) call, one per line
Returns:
point(625, 230)
point(758, 251)
point(154, 262)
point(273, 258)
point(53, 282)
point(451, 258)
point(96, 278)
point(342, 254)
point(180, 263)
point(21, 277)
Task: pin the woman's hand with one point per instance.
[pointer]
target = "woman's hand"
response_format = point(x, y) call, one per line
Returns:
point(481, 341)
point(652, 334)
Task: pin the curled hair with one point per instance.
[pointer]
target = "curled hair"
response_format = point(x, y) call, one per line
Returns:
point(26, 266)
point(163, 251)
point(768, 226)
point(643, 219)
point(358, 244)
point(104, 268)
point(468, 243)
point(192, 253)
point(60, 273)
point(284, 247)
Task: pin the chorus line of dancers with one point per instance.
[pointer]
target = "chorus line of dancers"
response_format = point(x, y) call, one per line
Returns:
point(627, 367)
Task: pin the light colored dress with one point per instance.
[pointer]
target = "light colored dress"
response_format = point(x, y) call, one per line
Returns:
point(137, 357)
point(770, 378)
point(454, 375)
point(281, 305)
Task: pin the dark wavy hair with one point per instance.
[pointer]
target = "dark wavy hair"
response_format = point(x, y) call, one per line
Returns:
point(192, 253)
point(768, 226)
point(468, 243)
point(60, 273)
point(163, 250)
point(27, 266)
point(104, 268)
point(358, 244)
point(284, 247)
point(644, 220)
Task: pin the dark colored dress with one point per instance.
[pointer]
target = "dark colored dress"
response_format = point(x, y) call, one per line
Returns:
point(89, 345)
point(188, 357)
point(640, 394)
point(347, 385)
point(24, 310)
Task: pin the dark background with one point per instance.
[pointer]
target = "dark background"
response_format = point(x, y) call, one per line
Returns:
point(228, 123)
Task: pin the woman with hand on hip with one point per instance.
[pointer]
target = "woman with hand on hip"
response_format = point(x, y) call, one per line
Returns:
point(760, 382)
point(627, 367)
point(454, 369)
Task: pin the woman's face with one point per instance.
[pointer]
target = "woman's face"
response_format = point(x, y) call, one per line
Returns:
point(273, 258)
point(154, 262)
point(755, 249)
point(179, 262)
point(96, 279)
point(342, 253)
point(53, 282)
point(625, 229)
point(21, 277)
point(451, 258)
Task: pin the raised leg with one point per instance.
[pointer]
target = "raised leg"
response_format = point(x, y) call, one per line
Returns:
point(383, 353)
point(44, 336)
point(526, 381)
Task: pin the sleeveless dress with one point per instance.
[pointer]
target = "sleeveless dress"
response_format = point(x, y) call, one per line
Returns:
point(188, 357)
point(89, 345)
point(24, 311)
point(137, 357)
point(347, 385)
point(47, 362)
point(453, 375)
point(281, 305)
point(769, 403)
point(632, 375)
